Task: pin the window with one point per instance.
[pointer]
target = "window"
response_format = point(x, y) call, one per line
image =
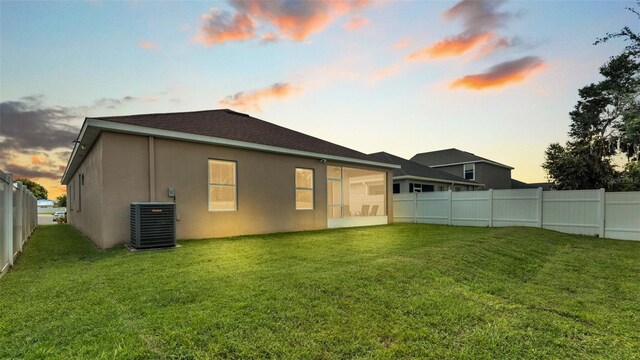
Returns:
point(420, 187)
point(396, 188)
point(304, 189)
point(222, 185)
point(469, 171)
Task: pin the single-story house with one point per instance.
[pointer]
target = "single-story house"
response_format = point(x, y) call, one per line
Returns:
point(44, 203)
point(415, 177)
point(227, 172)
point(517, 184)
point(492, 174)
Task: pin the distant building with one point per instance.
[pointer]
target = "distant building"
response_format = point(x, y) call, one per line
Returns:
point(415, 177)
point(492, 174)
point(46, 203)
point(516, 184)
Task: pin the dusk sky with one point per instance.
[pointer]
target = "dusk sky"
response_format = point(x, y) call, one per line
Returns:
point(497, 79)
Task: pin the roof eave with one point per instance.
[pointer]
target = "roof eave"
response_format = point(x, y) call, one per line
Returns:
point(101, 125)
point(473, 162)
point(412, 177)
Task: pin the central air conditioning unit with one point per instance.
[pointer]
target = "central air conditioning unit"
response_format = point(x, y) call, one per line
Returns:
point(153, 224)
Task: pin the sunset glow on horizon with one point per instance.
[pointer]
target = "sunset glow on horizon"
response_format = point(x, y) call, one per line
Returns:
point(494, 78)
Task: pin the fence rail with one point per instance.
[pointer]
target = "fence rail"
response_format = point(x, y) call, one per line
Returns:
point(613, 215)
point(18, 219)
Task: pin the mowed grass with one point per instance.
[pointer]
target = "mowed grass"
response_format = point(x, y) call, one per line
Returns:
point(397, 291)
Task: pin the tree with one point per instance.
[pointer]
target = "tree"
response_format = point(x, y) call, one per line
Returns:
point(604, 123)
point(575, 167)
point(62, 200)
point(36, 189)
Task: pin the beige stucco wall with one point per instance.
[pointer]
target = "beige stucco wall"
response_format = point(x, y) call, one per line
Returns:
point(265, 189)
point(125, 161)
point(85, 201)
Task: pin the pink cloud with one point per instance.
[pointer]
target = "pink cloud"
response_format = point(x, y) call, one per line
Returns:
point(219, 26)
point(252, 100)
point(401, 44)
point(356, 22)
point(480, 19)
point(268, 38)
point(506, 73)
point(147, 45)
point(454, 46)
point(388, 71)
point(294, 20)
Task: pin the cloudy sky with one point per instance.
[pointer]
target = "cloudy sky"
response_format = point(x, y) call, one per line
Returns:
point(490, 77)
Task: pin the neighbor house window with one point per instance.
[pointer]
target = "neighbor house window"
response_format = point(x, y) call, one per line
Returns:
point(470, 171)
point(304, 189)
point(420, 187)
point(222, 185)
point(396, 188)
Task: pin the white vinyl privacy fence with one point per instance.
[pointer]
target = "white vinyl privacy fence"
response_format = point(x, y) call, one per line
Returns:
point(18, 219)
point(613, 215)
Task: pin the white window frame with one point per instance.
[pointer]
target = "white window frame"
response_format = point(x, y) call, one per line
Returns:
point(473, 168)
point(210, 184)
point(313, 183)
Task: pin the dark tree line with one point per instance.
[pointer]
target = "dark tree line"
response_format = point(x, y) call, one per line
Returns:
point(605, 123)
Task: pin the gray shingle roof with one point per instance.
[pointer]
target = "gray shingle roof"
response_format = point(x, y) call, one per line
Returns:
point(451, 156)
point(231, 125)
point(412, 168)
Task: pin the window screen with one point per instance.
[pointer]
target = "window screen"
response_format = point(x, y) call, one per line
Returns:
point(304, 189)
point(222, 185)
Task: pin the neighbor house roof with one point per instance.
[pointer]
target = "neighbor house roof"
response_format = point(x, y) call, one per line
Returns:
point(221, 127)
point(516, 184)
point(452, 156)
point(413, 170)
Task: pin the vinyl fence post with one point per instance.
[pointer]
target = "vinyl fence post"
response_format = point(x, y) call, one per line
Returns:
point(450, 220)
point(539, 195)
point(18, 216)
point(8, 219)
point(25, 229)
point(415, 207)
point(490, 207)
point(601, 210)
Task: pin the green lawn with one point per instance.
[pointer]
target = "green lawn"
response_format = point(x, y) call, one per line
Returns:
point(393, 291)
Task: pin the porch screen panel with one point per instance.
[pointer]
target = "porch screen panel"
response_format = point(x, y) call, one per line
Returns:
point(364, 192)
point(334, 192)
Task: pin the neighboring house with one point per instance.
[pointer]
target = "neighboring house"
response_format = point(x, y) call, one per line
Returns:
point(415, 177)
point(492, 174)
point(516, 184)
point(231, 174)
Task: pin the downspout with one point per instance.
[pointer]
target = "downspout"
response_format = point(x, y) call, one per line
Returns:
point(152, 169)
